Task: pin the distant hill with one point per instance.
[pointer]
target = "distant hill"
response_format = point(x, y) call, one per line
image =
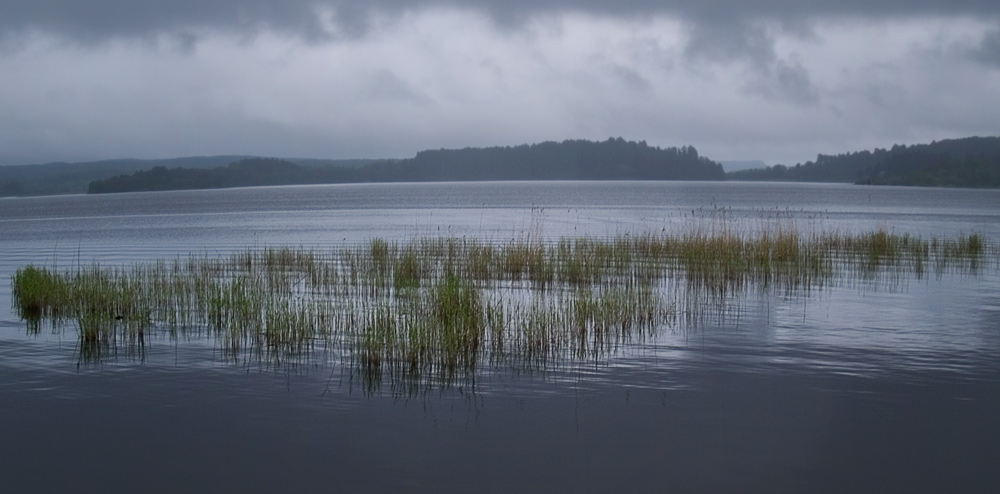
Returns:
point(243, 173)
point(614, 159)
point(968, 162)
point(73, 178)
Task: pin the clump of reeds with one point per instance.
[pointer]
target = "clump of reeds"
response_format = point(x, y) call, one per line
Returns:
point(407, 272)
point(38, 293)
point(442, 307)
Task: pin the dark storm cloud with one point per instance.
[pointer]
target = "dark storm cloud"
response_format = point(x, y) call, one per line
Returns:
point(102, 19)
point(771, 79)
point(95, 20)
point(988, 50)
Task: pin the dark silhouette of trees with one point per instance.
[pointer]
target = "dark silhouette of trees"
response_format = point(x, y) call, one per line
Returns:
point(74, 178)
point(968, 162)
point(614, 159)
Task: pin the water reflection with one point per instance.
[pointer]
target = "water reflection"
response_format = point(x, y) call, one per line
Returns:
point(111, 345)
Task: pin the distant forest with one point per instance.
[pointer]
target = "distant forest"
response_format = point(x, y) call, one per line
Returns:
point(613, 159)
point(75, 178)
point(968, 162)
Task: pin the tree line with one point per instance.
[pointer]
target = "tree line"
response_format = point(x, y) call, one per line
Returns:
point(967, 162)
point(613, 159)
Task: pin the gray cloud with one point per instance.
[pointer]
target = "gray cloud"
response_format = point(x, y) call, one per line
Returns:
point(630, 79)
point(988, 51)
point(734, 40)
point(102, 19)
point(98, 20)
point(773, 79)
point(768, 75)
point(784, 81)
point(720, 31)
point(384, 85)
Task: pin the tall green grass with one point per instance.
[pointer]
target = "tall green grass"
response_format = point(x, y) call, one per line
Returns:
point(437, 309)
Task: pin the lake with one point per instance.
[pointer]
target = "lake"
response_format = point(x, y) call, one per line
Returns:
point(882, 384)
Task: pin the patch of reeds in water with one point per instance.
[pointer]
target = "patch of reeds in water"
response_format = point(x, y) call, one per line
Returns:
point(439, 309)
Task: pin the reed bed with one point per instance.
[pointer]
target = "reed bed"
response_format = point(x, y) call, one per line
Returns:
point(437, 309)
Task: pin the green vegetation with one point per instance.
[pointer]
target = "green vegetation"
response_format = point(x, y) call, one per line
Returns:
point(435, 310)
point(969, 162)
point(38, 294)
point(614, 159)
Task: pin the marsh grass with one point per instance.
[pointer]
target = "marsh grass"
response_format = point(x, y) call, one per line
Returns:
point(38, 294)
point(440, 309)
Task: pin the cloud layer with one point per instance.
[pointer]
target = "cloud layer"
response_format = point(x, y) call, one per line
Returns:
point(778, 80)
point(101, 19)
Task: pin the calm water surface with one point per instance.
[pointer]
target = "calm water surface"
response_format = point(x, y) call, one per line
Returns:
point(863, 387)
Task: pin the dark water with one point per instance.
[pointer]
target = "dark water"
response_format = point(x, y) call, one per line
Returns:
point(860, 387)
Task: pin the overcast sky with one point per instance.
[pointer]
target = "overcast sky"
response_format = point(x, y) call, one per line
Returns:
point(776, 80)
